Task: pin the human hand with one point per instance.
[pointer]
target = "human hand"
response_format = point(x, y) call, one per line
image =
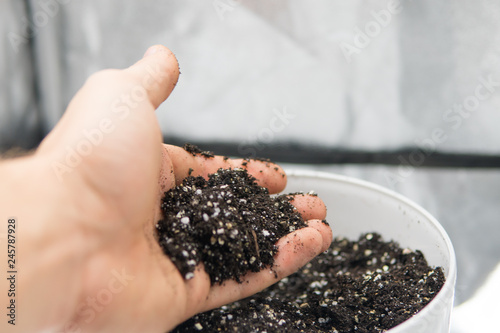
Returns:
point(91, 262)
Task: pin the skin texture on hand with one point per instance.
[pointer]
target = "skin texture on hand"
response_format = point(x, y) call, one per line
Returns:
point(89, 197)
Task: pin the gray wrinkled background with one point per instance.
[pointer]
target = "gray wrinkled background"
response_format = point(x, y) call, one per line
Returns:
point(245, 62)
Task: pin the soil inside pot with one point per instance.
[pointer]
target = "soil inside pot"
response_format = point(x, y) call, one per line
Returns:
point(366, 285)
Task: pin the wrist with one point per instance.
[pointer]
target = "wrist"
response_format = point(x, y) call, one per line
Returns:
point(48, 246)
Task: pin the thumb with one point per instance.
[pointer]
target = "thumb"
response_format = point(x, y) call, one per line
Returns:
point(119, 95)
point(158, 72)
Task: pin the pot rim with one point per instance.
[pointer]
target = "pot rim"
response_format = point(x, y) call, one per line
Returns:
point(447, 291)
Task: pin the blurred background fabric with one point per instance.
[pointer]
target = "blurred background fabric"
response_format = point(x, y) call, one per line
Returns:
point(19, 109)
point(404, 94)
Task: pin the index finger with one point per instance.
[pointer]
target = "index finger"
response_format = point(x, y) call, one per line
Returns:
point(184, 163)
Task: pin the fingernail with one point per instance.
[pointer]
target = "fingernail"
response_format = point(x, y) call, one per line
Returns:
point(154, 49)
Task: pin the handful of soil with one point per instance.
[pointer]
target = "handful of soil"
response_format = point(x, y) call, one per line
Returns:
point(228, 222)
point(360, 286)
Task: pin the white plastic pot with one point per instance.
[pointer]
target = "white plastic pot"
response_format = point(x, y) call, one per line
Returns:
point(356, 206)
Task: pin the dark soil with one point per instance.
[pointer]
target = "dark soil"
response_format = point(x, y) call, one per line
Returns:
point(362, 286)
point(229, 223)
point(195, 150)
